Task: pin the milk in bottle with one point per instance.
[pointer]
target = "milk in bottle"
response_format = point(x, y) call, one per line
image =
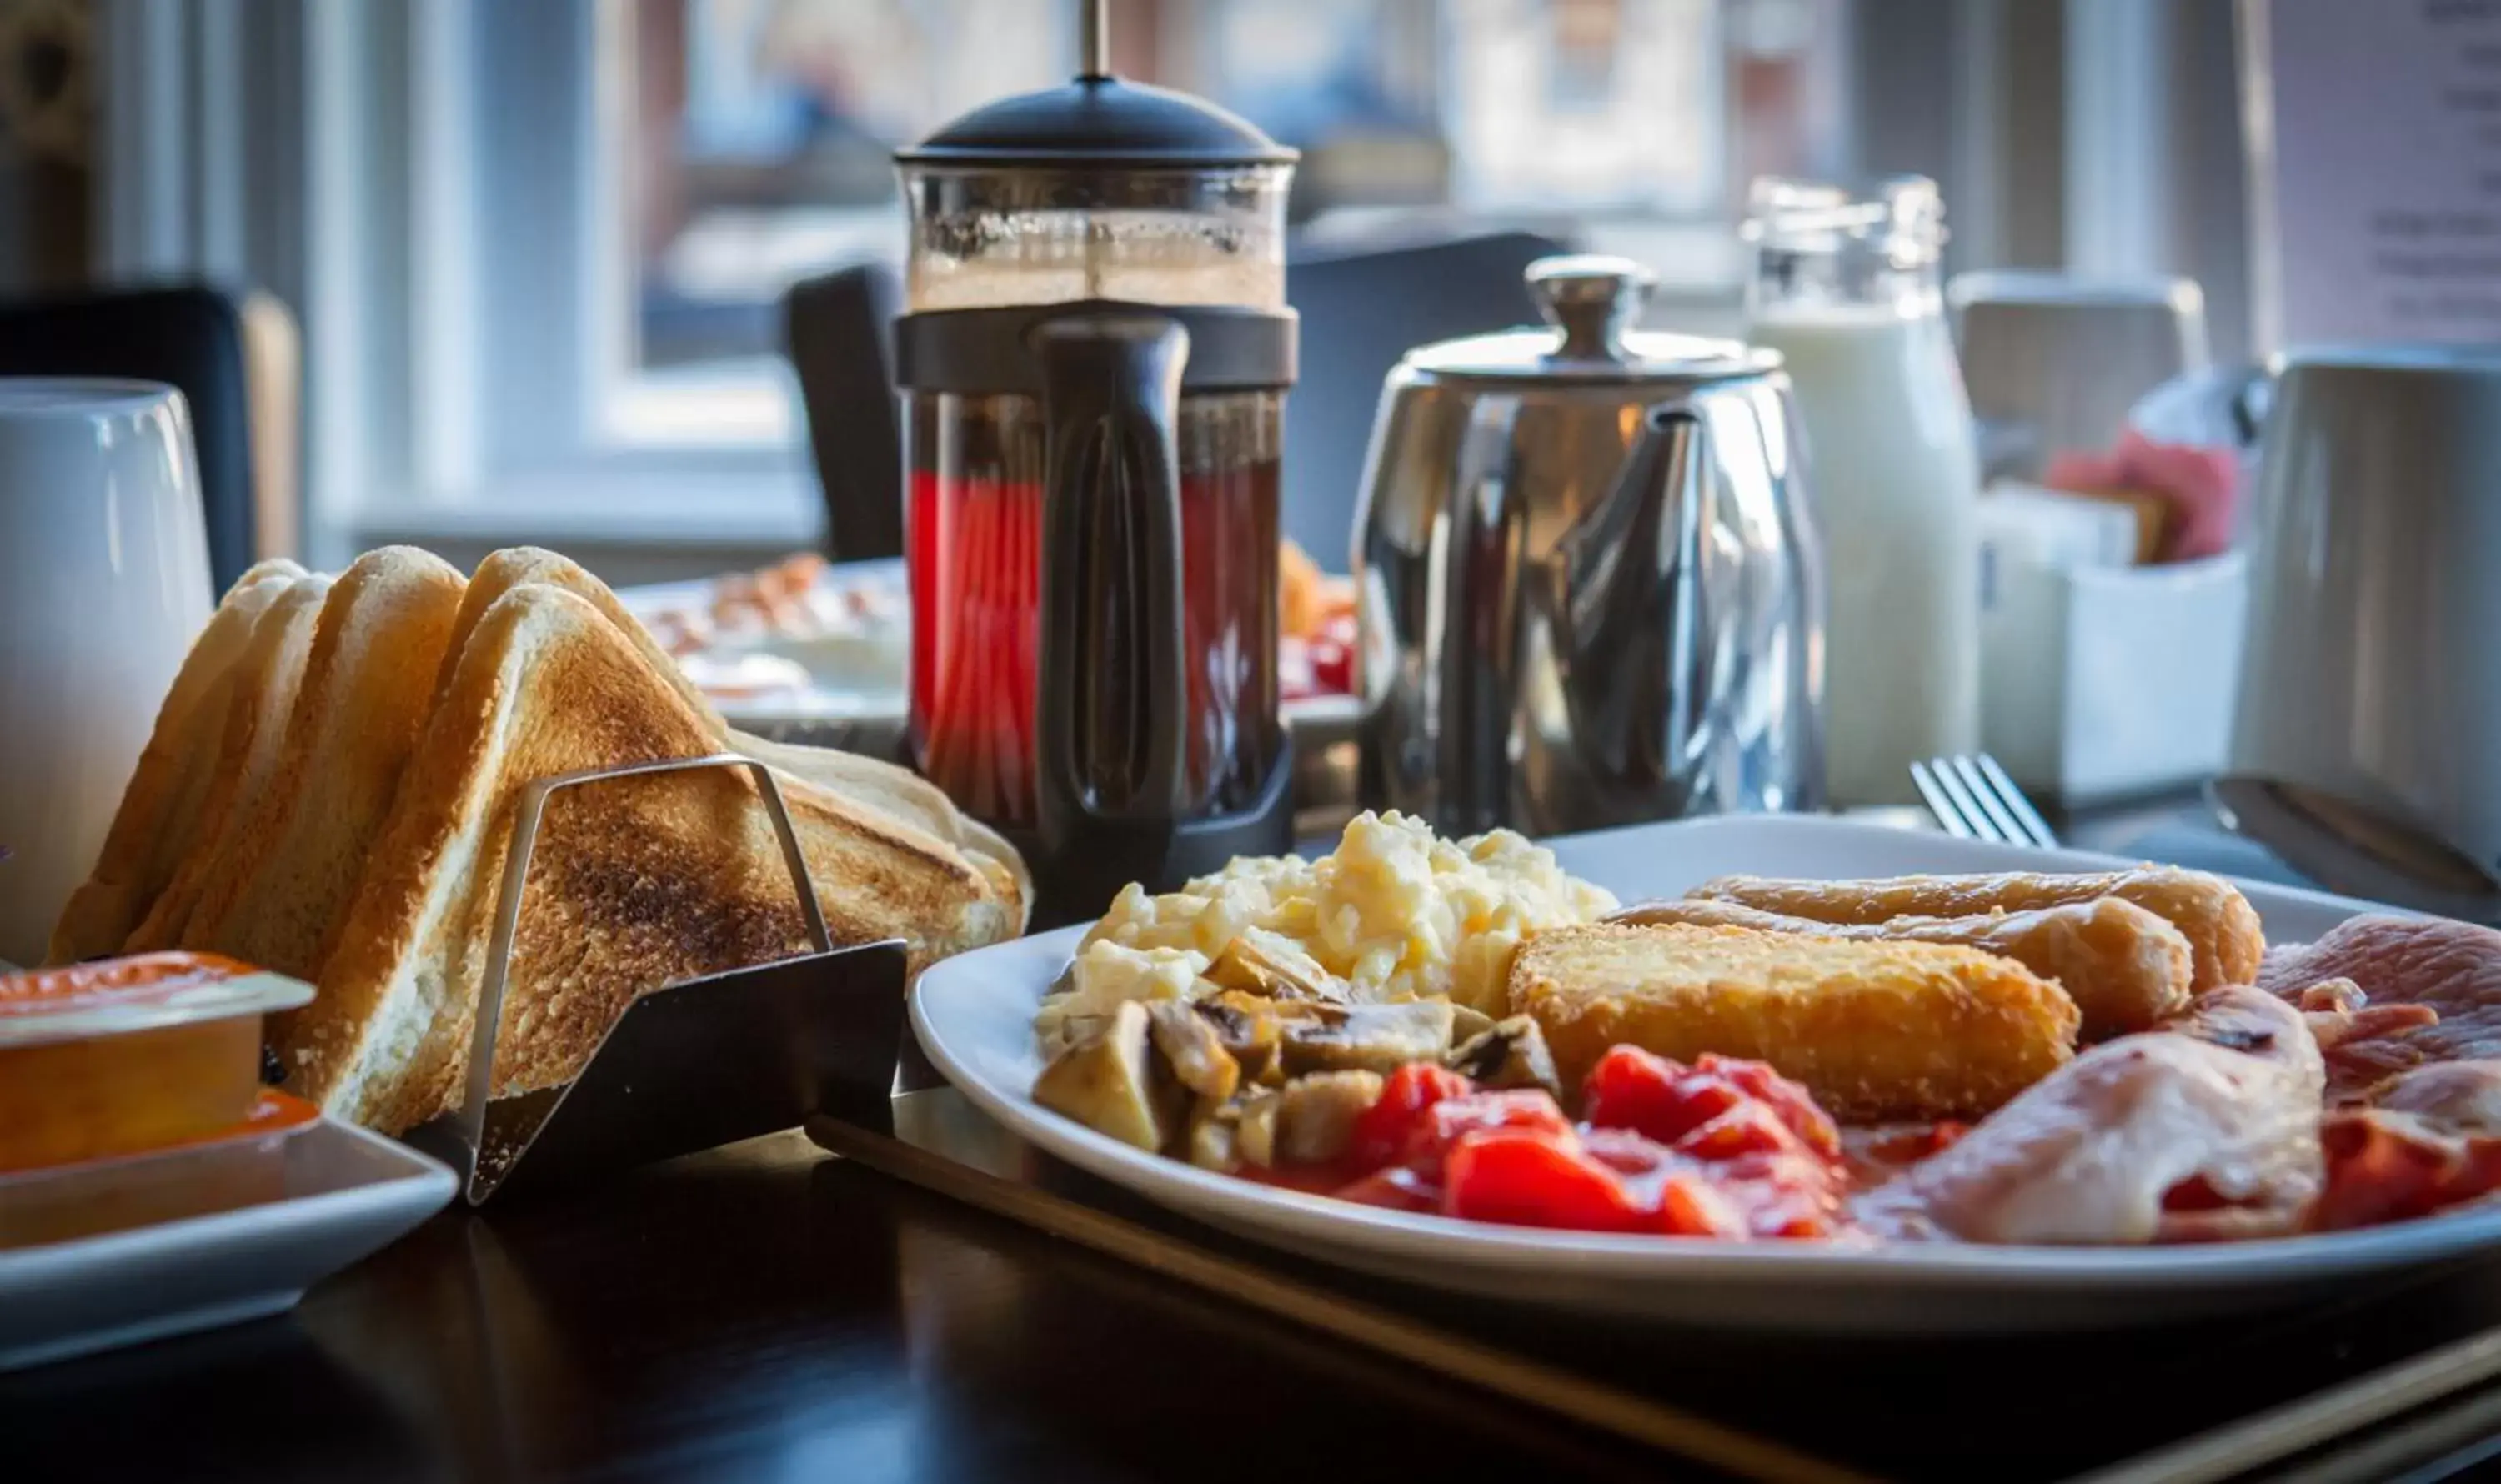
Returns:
point(1847, 291)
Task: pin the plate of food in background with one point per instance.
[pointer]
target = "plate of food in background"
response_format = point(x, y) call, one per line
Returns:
point(1775, 1071)
point(809, 641)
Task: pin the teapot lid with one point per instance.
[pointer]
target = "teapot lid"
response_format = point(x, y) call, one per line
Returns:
point(1590, 304)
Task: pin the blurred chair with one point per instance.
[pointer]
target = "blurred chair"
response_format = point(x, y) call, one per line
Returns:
point(839, 333)
point(232, 356)
point(1360, 312)
point(273, 365)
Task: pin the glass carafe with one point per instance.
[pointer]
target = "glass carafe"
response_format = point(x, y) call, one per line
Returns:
point(1095, 291)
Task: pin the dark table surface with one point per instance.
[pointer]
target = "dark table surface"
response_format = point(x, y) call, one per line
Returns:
point(767, 1310)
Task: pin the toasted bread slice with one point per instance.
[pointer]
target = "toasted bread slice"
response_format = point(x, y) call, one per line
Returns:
point(504, 570)
point(905, 797)
point(910, 800)
point(285, 887)
point(266, 679)
point(1874, 1029)
point(158, 818)
point(634, 883)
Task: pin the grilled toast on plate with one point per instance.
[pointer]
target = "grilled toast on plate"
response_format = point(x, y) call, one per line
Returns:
point(160, 807)
point(279, 895)
point(265, 679)
point(896, 790)
point(634, 883)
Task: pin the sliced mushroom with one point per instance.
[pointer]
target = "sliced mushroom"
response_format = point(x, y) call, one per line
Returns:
point(1467, 1023)
point(1254, 1129)
point(1191, 1046)
point(1274, 965)
point(1379, 1038)
point(1249, 1029)
point(1509, 1054)
point(1112, 1082)
point(1270, 963)
point(1315, 1113)
point(1214, 1138)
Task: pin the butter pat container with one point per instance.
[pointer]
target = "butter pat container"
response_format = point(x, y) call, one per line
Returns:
point(125, 1056)
point(148, 1185)
point(2101, 681)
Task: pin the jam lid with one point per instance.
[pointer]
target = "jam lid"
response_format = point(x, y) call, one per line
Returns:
point(143, 992)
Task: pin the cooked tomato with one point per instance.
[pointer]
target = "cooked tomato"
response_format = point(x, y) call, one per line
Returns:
point(1632, 1088)
point(1398, 1187)
point(1750, 1128)
point(1525, 1110)
point(1791, 1194)
point(1532, 1177)
point(1689, 1205)
point(2383, 1166)
point(1784, 1192)
point(1385, 1132)
point(1724, 1148)
point(1795, 1105)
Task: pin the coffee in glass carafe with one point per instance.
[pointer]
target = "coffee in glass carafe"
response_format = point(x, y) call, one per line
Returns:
point(1094, 365)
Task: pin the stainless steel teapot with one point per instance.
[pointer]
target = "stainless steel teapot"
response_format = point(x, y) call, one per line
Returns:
point(1589, 584)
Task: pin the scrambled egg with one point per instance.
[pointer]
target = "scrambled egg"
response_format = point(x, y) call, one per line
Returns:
point(1395, 911)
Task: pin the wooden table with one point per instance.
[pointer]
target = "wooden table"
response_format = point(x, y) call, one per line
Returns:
point(766, 1310)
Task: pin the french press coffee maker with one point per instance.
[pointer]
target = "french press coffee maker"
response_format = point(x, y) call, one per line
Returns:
point(1094, 364)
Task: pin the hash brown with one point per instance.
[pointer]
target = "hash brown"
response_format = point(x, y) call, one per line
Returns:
point(1877, 1030)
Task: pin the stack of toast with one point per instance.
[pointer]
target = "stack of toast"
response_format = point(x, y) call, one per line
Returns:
point(330, 791)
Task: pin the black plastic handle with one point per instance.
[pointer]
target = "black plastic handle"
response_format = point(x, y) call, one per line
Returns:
point(1112, 698)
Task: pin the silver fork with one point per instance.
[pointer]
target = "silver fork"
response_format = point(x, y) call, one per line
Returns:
point(1973, 800)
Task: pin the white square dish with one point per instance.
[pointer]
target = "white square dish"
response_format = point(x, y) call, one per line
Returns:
point(116, 1253)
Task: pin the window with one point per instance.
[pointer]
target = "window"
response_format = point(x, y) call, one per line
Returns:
point(750, 142)
point(751, 147)
point(539, 248)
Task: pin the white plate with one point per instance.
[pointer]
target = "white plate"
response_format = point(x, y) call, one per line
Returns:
point(322, 1198)
point(858, 679)
point(974, 1016)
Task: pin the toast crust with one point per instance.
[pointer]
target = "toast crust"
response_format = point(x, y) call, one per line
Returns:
point(160, 810)
point(266, 681)
point(285, 887)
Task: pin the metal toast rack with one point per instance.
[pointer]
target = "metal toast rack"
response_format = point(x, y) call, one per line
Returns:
point(690, 1065)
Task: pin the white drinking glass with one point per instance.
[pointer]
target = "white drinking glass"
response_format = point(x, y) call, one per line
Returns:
point(104, 582)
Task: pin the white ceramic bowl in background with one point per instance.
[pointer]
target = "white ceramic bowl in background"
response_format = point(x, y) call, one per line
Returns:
point(104, 582)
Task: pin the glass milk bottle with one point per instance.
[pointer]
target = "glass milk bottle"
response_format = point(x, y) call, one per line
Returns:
point(1847, 290)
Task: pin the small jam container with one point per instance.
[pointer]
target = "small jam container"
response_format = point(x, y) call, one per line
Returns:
point(129, 1056)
